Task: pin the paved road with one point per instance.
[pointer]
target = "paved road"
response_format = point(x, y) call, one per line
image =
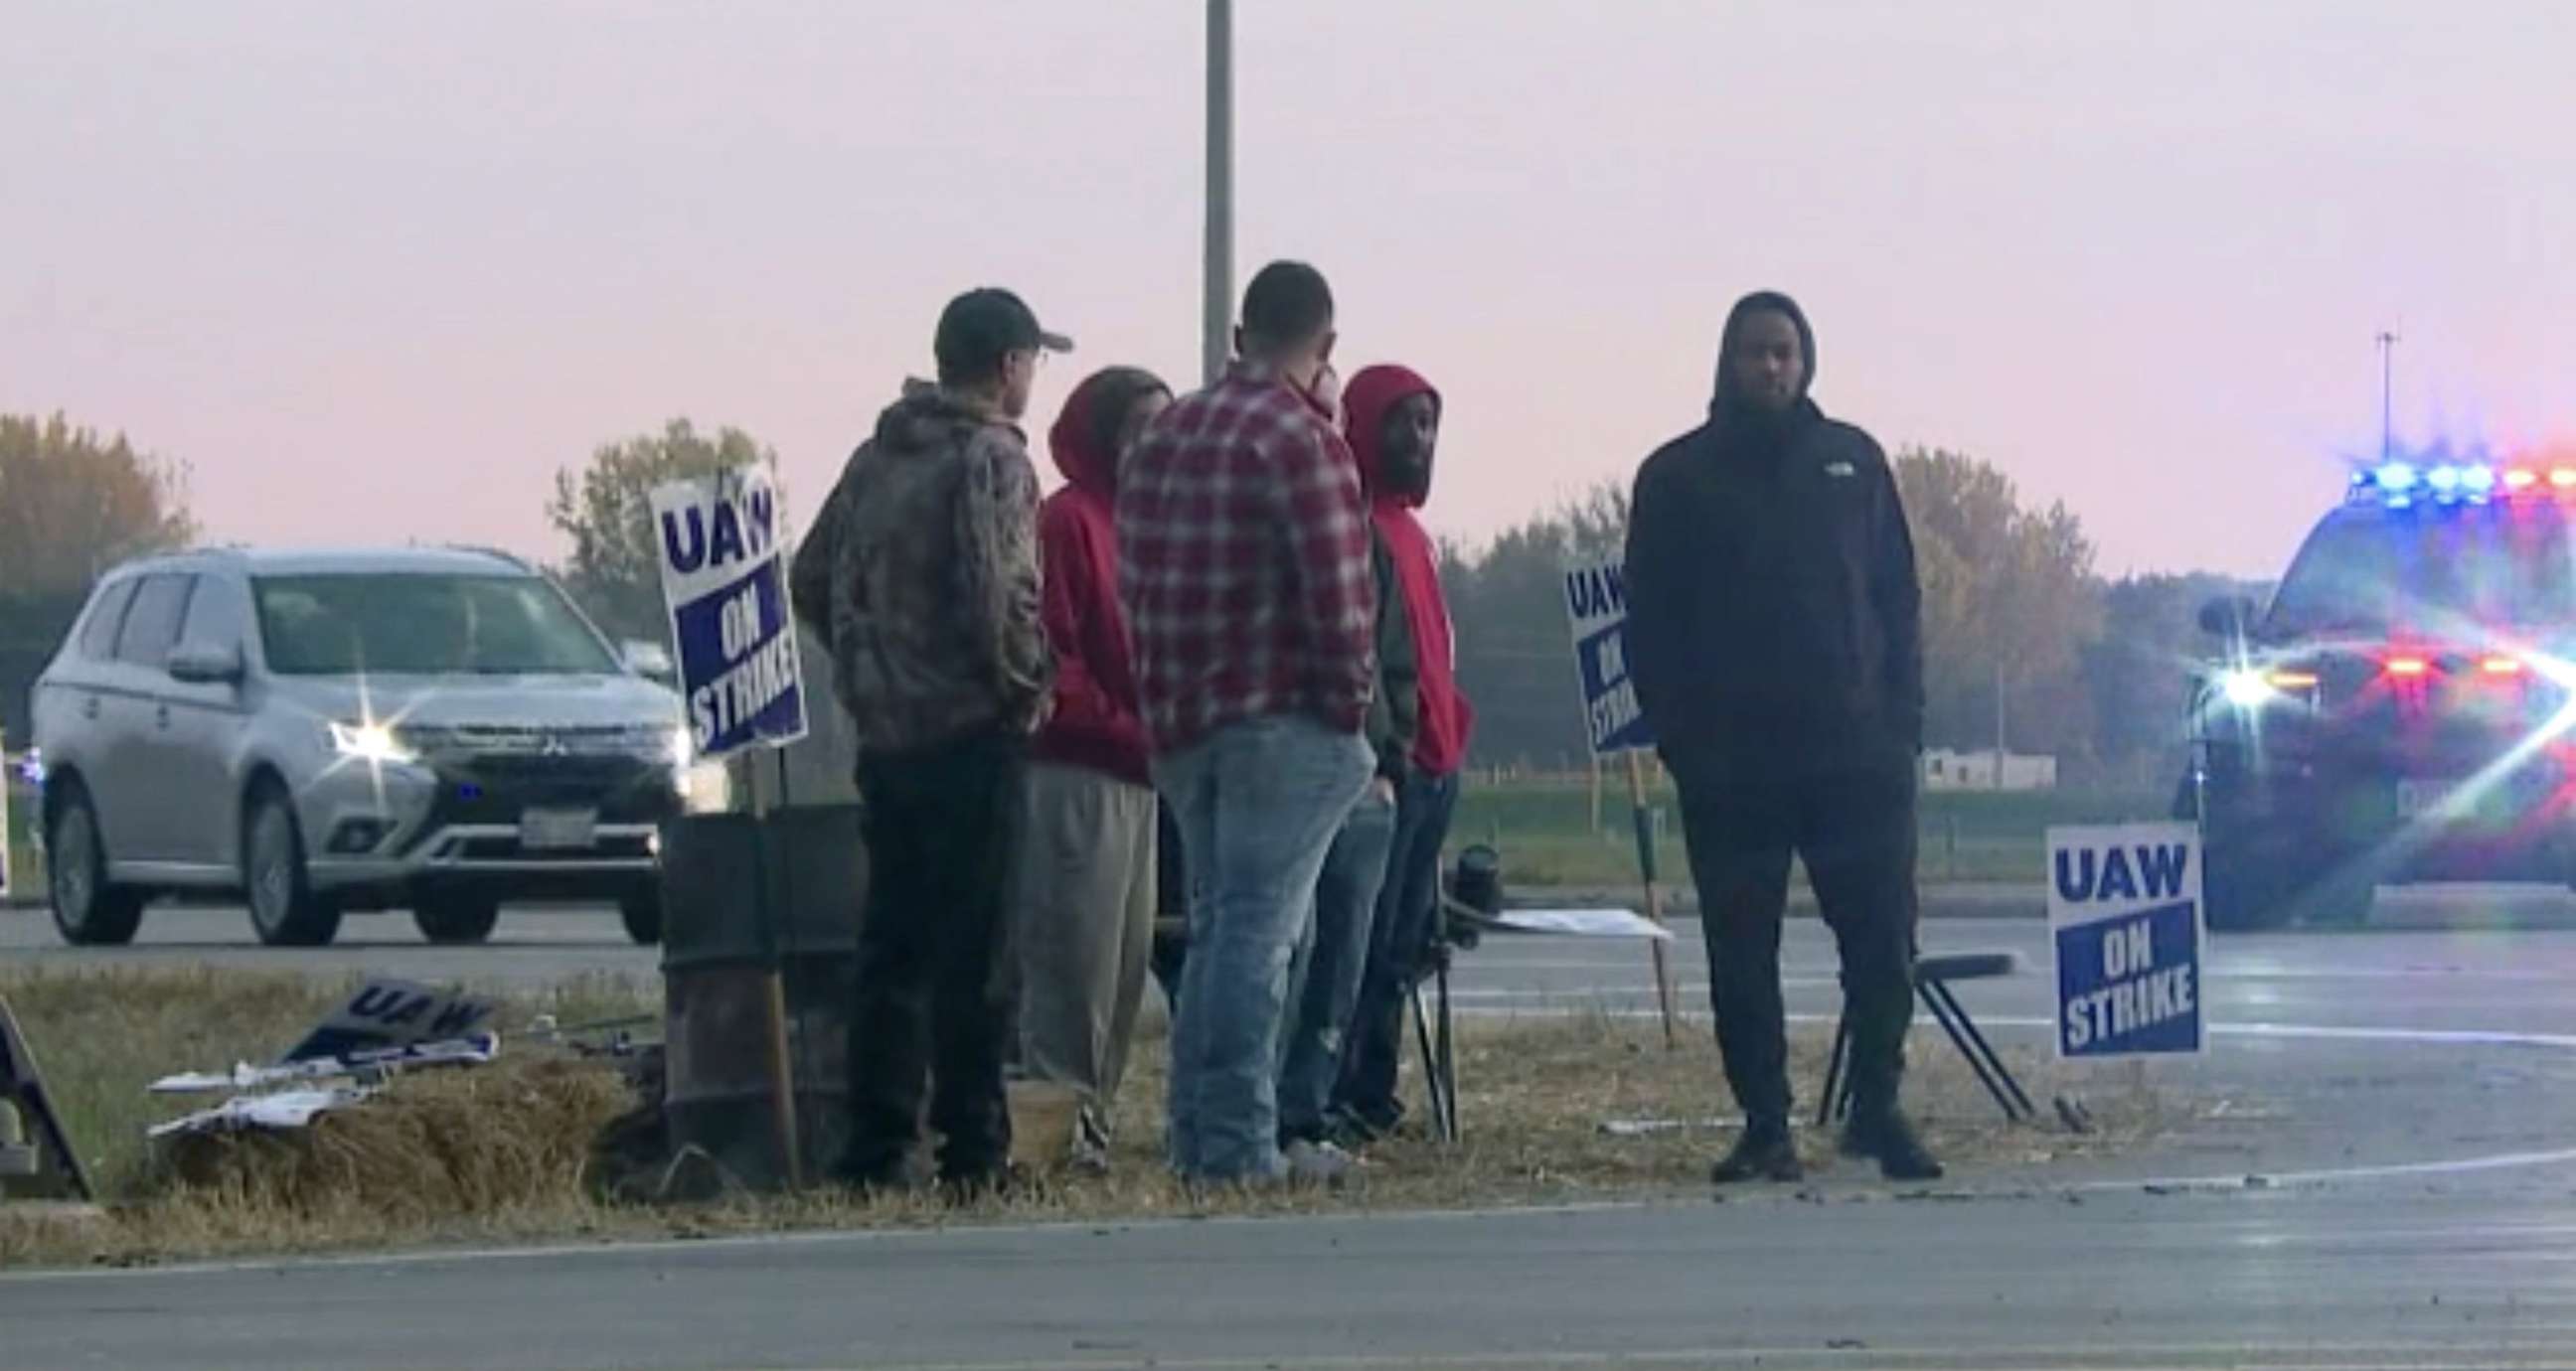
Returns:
point(2409, 1102)
point(534, 947)
point(2347, 1276)
point(539, 946)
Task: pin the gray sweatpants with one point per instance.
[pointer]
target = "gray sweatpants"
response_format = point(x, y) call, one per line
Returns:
point(1085, 927)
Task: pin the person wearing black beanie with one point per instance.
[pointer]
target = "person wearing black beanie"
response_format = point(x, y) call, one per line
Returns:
point(1774, 637)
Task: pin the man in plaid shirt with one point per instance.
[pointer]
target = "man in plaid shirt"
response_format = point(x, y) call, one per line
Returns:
point(1244, 565)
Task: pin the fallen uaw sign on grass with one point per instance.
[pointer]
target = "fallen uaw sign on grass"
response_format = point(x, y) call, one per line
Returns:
point(1582, 923)
point(373, 1062)
point(392, 1013)
point(2124, 916)
point(386, 1027)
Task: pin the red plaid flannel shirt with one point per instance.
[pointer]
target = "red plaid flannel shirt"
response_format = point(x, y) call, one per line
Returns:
point(1243, 561)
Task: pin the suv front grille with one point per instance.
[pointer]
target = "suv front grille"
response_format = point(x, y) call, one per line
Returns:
point(440, 741)
point(499, 790)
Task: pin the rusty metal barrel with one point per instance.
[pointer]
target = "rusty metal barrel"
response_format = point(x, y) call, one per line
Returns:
point(716, 954)
point(716, 959)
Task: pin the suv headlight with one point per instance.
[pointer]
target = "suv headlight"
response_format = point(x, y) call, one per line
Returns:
point(370, 743)
point(2246, 688)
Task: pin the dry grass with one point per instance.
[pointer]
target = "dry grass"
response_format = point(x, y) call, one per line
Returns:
point(512, 1152)
point(1534, 1095)
point(103, 1034)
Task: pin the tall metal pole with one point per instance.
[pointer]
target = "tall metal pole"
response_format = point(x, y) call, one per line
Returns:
point(2387, 406)
point(1999, 723)
point(1216, 306)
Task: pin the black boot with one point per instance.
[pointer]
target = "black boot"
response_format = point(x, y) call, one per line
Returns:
point(1765, 1152)
point(998, 1184)
point(1884, 1133)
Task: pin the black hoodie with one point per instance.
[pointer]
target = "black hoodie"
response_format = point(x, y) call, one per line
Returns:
point(1774, 618)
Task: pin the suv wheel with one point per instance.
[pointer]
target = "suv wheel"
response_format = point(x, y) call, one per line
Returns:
point(456, 919)
point(284, 911)
point(642, 915)
point(88, 910)
point(2245, 886)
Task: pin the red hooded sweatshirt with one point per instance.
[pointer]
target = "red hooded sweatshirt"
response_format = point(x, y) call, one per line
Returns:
point(1096, 723)
point(1448, 721)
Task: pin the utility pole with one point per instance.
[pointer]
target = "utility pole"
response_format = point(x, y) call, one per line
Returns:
point(1999, 723)
point(1216, 305)
point(2387, 407)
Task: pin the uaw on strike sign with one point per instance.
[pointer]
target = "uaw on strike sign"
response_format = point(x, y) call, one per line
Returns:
point(723, 575)
point(1596, 606)
point(2124, 912)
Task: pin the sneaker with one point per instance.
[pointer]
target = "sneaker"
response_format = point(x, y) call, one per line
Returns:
point(1088, 1160)
point(869, 1184)
point(1764, 1153)
point(1349, 1133)
point(1890, 1138)
point(1367, 1125)
point(1090, 1155)
point(1318, 1163)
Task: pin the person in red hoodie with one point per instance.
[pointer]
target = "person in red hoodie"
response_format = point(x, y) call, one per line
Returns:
point(1394, 425)
point(1087, 868)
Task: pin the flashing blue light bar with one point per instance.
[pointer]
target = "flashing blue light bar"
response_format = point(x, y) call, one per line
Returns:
point(2403, 485)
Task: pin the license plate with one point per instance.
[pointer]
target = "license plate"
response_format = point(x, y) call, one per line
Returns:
point(554, 830)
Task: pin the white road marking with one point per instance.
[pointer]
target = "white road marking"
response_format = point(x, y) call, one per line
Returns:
point(2165, 1357)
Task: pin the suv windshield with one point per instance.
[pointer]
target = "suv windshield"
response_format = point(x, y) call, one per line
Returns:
point(424, 625)
point(2428, 570)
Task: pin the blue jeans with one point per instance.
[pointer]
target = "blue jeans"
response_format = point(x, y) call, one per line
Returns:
point(1324, 983)
point(1407, 920)
point(1258, 805)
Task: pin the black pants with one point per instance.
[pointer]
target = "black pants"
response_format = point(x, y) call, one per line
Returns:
point(1855, 832)
point(934, 1005)
point(1400, 946)
point(1171, 905)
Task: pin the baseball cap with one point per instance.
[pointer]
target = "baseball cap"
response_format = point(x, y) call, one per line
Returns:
point(983, 325)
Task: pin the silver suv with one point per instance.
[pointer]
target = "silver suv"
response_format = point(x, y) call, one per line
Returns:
point(326, 733)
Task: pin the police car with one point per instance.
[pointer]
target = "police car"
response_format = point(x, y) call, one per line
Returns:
point(2404, 709)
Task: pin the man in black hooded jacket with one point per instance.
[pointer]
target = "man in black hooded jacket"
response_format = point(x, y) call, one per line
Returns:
point(1774, 635)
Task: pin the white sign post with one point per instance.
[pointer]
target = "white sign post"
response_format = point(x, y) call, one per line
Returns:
point(1596, 610)
point(2124, 916)
point(734, 636)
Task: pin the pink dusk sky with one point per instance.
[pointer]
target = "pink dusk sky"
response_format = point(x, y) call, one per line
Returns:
point(375, 270)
